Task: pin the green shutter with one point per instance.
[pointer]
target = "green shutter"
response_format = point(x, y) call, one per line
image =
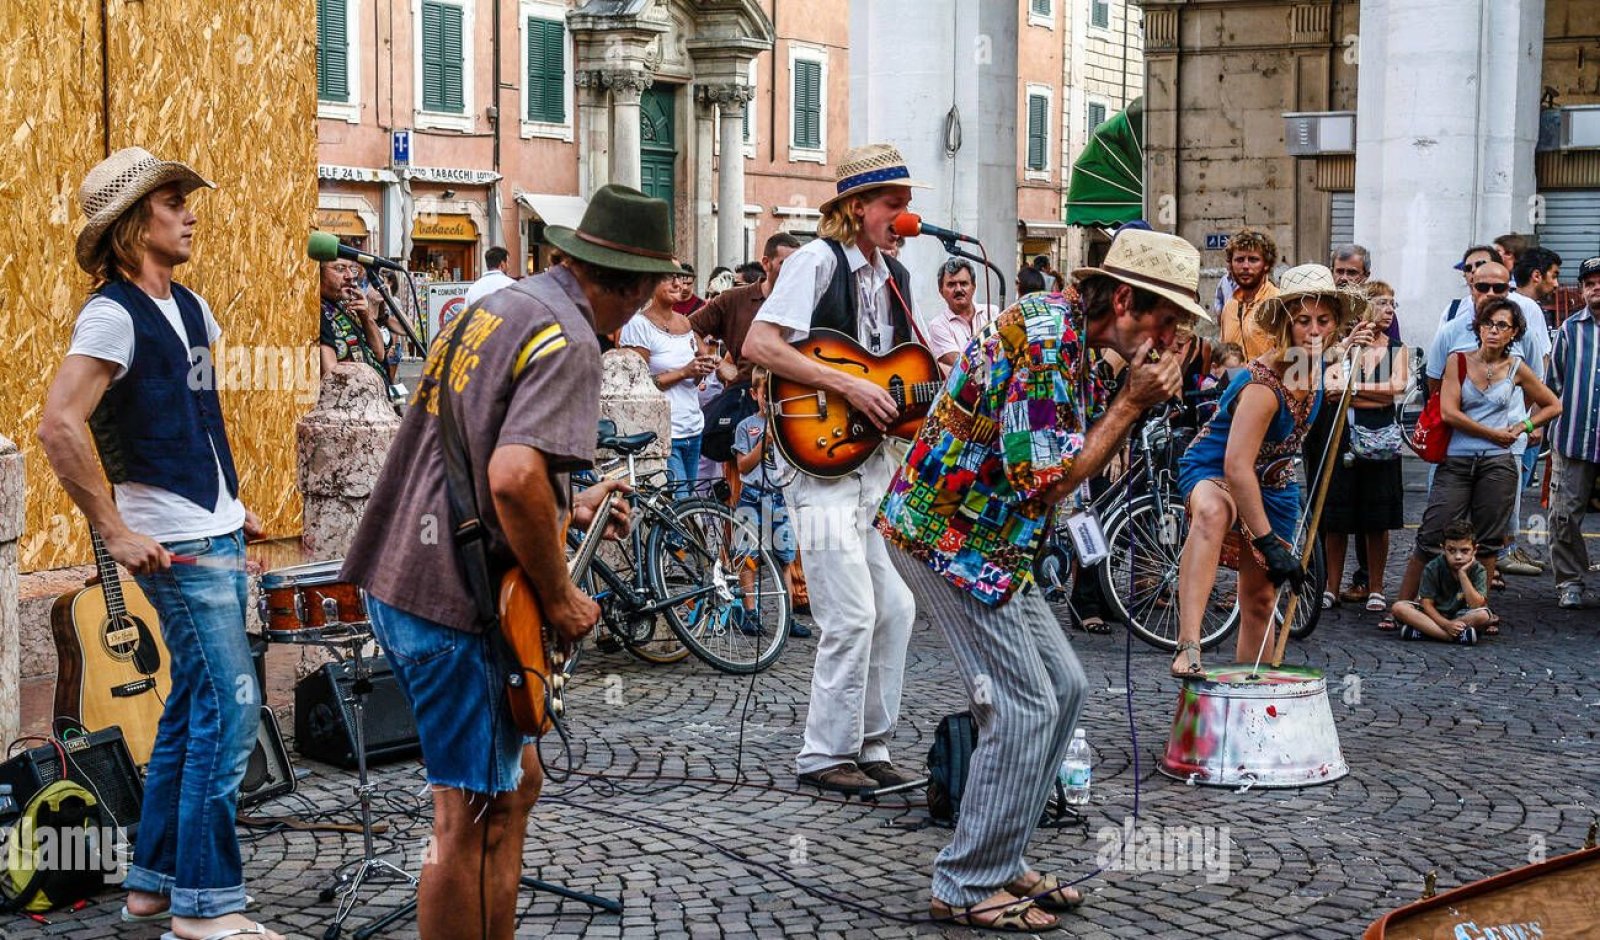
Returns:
point(1100, 13)
point(333, 67)
point(1038, 131)
point(1041, 7)
point(1097, 116)
point(748, 107)
point(547, 71)
point(441, 58)
point(807, 104)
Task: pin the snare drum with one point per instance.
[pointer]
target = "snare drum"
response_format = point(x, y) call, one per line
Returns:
point(312, 597)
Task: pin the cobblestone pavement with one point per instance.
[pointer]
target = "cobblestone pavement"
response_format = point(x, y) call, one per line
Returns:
point(1466, 761)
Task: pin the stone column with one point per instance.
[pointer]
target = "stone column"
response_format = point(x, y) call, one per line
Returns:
point(12, 491)
point(705, 225)
point(342, 443)
point(630, 398)
point(730, 100)
point(626, 89)
point(594, 129)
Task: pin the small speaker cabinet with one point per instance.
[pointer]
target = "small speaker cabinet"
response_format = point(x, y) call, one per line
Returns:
point(324, 721)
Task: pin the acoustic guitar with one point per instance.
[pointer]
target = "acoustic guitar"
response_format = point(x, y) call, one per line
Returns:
point(534, 688)
point(111, 661)
point(821, 434)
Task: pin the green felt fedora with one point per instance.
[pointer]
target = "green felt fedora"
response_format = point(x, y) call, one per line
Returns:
point(622, 229)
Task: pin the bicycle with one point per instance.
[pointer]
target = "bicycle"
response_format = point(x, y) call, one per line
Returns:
point(693, 564)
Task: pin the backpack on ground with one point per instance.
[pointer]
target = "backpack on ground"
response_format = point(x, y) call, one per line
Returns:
point(948, 760)
point(55, 856)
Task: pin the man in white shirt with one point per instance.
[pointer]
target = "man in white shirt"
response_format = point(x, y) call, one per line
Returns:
point(950, 331)
point(173, 518)
point(844, 281)
point(494, 277)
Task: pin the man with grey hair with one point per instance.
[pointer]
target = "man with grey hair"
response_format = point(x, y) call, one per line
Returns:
point(1351, 265)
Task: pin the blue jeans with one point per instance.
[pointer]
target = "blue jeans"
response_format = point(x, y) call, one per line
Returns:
point(187, 847)
point(683, 465)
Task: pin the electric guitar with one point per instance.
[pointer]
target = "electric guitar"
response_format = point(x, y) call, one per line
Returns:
point(111, 661)
point(822, 434)
point(534, 689)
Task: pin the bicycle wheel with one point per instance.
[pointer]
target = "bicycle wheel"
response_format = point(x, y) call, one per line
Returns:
point(1140, 578)
point(728, 604)
point(652, 640)
point(1309, 610)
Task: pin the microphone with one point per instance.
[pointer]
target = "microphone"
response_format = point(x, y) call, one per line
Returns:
point(910, 225)
point(322, 246)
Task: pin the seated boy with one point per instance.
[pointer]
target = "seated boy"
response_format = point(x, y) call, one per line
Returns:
point(763, 472)
point(1452, 602)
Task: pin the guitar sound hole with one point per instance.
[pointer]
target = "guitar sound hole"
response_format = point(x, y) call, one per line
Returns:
point(120, 636)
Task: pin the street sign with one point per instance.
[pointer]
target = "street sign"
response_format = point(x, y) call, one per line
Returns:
point(400, 146)
point(445, 300)
point(1216, 241)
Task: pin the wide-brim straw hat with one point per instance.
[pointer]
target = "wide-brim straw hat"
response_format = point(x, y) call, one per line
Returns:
point(1303, 283)
point(622, 229)
point(871, 167)
point(1162, 264)
point(116, 184)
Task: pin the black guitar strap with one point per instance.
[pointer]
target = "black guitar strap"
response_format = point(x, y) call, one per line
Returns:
point(470, 537)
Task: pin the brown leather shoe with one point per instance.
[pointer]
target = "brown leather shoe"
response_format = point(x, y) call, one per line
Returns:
point(840, 778)
point(888, 775)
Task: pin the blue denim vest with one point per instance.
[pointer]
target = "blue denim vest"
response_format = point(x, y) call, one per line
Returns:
point(156, 426)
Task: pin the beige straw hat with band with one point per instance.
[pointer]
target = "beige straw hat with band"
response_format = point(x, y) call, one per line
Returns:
point(870, 167)
point(119, 181)
point(1302, 283)
point(1162, 264)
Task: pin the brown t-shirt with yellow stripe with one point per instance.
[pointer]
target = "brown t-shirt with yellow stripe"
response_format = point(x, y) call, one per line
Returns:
point(527, 373)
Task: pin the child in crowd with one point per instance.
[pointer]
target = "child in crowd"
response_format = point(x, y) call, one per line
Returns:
point(1453, 601)
point(1226, 364)
point(763, 471)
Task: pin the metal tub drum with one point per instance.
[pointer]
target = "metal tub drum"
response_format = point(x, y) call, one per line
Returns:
point(1271, 727)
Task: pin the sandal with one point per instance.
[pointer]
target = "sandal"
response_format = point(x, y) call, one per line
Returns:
point(1387, 624)
point(1497, 583)
point(1010, 919)
point(1094, 625)
point(1492, 628)
point(1048, 892)
point(1353, 594)
point(1193, 670)
point(1377, 603)
point(1330, 600)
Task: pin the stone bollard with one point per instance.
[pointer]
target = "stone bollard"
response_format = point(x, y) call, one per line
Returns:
point(12, 489)
point(629, 397)
point(342, 443)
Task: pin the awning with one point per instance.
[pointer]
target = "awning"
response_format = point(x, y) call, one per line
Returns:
point(1107, 185)
point(553, 209)
point(1043, 228)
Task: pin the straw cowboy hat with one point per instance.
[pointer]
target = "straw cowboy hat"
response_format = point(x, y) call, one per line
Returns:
point(119, 181)
point(870, 167)
point(1304, 282)
point(1163, 264)
point(622, 229)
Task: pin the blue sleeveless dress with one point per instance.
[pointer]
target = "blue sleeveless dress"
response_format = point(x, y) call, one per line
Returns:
point(1280, 493)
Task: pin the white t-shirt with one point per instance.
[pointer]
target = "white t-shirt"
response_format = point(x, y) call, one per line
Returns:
point(105, 331)
point(488, 284)
point(669, 351)
point(804, 279)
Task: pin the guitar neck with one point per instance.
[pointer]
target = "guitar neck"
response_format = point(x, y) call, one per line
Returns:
point(591, 539)
point(110, 581)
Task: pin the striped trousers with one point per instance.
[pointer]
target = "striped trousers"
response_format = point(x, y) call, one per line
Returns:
point(1025, 688)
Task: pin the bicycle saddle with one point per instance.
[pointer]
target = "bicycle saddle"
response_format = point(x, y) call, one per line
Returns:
point(609, 439)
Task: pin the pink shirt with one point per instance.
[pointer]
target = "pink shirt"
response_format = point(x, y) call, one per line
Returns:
point(949, 332)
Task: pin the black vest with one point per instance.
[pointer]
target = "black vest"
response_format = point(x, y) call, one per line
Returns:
point(160, 423)
point(836, 308)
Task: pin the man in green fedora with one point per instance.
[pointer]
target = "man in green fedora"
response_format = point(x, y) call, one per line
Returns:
point(525, 395)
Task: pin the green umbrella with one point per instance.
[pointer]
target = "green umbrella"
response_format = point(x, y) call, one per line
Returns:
point(1107, 185)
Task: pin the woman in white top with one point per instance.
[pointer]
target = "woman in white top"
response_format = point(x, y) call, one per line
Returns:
point(677, 364)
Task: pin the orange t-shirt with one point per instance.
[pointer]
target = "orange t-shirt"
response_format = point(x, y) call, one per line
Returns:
point(1239, 322)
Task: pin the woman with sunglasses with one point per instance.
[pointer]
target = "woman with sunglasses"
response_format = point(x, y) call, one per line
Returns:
point(1479, 477)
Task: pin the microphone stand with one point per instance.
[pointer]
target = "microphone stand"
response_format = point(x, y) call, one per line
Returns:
point(950, 248)
point(394, 310)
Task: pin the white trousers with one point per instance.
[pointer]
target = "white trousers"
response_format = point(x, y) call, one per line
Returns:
point(863, 612)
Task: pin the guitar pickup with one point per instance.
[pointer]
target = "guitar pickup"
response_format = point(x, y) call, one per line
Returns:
point(130, 689)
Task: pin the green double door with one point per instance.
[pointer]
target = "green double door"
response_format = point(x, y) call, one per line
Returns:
point(658, 148)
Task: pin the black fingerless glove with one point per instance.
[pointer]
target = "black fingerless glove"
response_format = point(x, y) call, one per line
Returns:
point(1282, 566)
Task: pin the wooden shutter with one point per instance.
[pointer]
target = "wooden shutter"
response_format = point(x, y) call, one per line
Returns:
point(441, 58)
point(1038, 131)
point(1100, 13)
point(547, 71)
point(807, 104)
point(333, 67)
point(1097, 116)
point(1041, 7)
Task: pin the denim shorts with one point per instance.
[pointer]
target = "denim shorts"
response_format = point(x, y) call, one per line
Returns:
point(457, 696)
point(770, 516)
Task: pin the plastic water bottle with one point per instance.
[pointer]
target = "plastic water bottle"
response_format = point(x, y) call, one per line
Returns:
point(1076, 769)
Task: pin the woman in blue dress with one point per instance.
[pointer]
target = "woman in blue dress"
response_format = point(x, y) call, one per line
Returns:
point(1240, 468)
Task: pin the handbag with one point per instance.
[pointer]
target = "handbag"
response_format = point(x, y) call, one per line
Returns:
point(722, 416)
point(1430, 439)
point(1374, 443)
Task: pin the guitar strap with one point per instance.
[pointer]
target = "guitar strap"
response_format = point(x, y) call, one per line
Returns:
point(470, 537)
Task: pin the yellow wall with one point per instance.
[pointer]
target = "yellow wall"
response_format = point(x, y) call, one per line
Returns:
point(228, 88)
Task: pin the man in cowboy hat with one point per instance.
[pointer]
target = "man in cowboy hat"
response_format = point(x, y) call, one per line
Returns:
point(1020, 426)
point(846, 281)
point(175, 495)
point(525, 395)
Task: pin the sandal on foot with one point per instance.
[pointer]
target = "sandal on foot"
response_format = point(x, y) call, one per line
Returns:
point(1048, 892)
point(129, 917)
point(1497, 583)
point(254, 930)
point(1330, 600)
point(1377, 603)
point(1094, 625)
point(1492, 628)
point(1387, 624)
point(1353, 594)
point(1010, 919)
point(1193, 670)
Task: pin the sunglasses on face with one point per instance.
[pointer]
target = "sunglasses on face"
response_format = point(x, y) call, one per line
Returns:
point(1486, 287)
